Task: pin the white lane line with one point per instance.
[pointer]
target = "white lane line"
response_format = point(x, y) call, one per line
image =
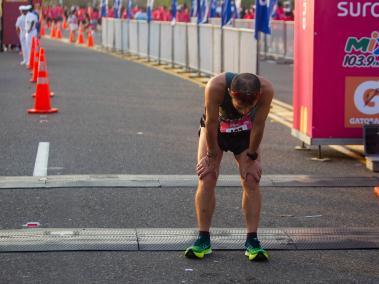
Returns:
point(42, 158)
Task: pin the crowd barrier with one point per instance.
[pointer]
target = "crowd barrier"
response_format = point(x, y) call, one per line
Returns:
point(278, 45)
point(195, 48)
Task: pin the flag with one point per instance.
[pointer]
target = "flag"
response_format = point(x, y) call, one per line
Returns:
point(213, 10)
point(202, 11)
point(104, 8)
point(263, 10)
point(193, 8)
point(150, 5)
point(198, 11)
point(236, 9)
point(226, 12)
point(117, 8)
point(173, 11)
point(205, 11)
point(129, 9)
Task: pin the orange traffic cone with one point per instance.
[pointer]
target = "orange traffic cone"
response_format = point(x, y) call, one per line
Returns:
point(36, 47)
point(42, 101)
point(376, 190)
point(72, 36)
point(42, 30)
point(31, 54)
point(80, 36)
point(47, 73)
point(58, 33)
point(36, 62)
point(53, 31)
point(64, 25)
point(90, 39)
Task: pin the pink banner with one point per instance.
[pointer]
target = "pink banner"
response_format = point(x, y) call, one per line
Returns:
point(336, 83)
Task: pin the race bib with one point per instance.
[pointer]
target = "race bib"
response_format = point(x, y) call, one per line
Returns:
point(242, 124)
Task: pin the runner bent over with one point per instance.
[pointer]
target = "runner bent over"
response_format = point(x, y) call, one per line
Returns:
point(236, 108)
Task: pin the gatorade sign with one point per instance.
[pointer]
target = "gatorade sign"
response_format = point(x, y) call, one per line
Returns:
point(361, 101)
point(336, 65)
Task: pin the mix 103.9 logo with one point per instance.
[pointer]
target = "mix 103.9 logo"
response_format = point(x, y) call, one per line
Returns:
point(362, 52)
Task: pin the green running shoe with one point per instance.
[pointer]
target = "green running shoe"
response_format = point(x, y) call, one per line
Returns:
point(199, 249)
point(255, 252)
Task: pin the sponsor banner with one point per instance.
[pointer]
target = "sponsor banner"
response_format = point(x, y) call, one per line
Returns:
point(336, 67)
point(361, 101)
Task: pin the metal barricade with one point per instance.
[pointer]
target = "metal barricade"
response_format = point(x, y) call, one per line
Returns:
point(206, 50)
point(125, 36)
point(192, 46)
point(118, 34)
point(216, 51)
point(104, 31)
point(215, 21)
point(290, 38)
point(239, 44)
point(275, 41)
point(243, 23)
point(248, 52)
point(231, 49)
point(110, 33)
point(180, 44)
point(142, 38)
point(154, 40)
point(166, 47)
point(133, 37)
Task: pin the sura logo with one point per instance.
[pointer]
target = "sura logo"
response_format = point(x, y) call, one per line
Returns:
point(354, 9)
point(364, 44)
point(366, 97)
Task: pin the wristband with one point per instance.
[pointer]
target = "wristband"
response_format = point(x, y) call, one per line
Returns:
point(252, 156)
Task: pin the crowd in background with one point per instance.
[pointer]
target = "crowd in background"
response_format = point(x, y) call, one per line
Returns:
point(89, 17)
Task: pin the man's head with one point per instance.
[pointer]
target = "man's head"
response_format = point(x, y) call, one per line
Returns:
point(245, 90)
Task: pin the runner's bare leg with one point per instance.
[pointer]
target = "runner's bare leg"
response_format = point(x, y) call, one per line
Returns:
point(205, 198)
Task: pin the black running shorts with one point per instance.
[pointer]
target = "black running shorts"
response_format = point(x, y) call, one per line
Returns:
point(234, 142)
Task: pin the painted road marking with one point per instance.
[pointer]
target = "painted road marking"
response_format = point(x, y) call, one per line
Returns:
point(42, 158)
point(179, 181)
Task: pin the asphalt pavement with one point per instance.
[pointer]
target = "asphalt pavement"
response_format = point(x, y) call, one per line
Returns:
point(120, 117)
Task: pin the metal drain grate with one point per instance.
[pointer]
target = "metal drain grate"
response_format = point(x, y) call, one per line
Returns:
point(41, 239)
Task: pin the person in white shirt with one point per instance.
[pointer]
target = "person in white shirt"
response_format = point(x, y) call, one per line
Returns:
point(31, 31)
point(20, 29)
point(73, 20)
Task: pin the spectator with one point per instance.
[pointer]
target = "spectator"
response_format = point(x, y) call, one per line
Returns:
point(31, 21)
point(184, 15)
point(95, 16)
point(110, 12)
point(141, 15)
point(20, 29)
point(73, 20)
point(279, 13)
point(249, 14)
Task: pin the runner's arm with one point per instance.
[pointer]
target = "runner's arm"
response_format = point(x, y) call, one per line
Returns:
point(263, 109)
point(213, 95)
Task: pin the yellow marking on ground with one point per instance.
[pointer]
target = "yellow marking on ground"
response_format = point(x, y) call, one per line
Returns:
point(281, 112)
point(348, 152)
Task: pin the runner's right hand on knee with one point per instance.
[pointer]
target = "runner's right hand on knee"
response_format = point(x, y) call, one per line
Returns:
point(205, 166)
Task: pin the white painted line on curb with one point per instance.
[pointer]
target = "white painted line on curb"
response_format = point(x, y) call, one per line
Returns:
point(42, 158)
